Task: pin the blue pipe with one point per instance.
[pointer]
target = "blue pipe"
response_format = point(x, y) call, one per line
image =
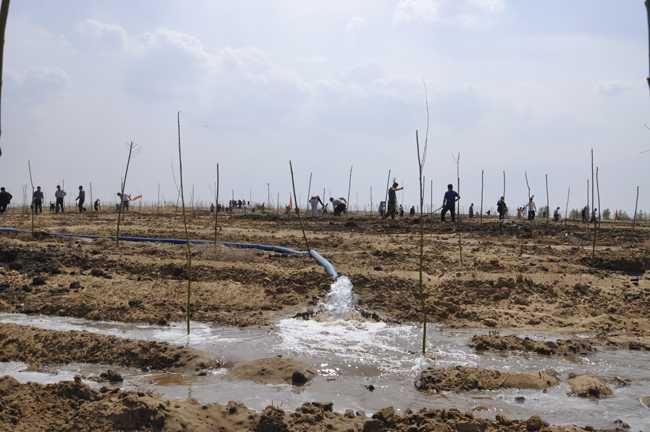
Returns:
point(328, 267)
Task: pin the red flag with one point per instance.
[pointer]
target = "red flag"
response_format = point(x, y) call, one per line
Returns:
point(136, 198)
point(290, 202)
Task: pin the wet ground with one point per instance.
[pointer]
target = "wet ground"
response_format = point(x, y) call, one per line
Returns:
point(534, 281)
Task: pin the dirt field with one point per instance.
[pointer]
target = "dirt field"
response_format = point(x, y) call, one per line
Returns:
point(512, 276)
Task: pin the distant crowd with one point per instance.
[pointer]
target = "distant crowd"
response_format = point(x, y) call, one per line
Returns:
point(58, 205)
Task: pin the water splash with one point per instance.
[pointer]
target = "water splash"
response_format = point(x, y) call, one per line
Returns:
point(339, 302)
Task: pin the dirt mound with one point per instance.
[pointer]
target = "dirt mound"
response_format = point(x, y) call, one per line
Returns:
point(49, 347)
point(584, 385)
point(74, 406)
point(274, 370)
point(515, 343)
point(463, 378)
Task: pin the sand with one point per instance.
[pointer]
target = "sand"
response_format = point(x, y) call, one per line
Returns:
point(511, 278)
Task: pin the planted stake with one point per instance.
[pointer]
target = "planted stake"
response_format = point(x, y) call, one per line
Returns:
point(187, 235)
point(349, 187)
point(308, 196)
point(297, 209)
point(460, 244)
point(134, 150)
point(548, 208)
point(216, 210)
point(596, 223)
point(566, 211)
point(29, 164)
point(635, 207)
point(387, 186)
point(481, 215)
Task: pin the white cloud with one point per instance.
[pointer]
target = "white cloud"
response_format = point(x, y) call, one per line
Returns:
point(315, 59)
point(616, 87)
point(36, 85)
point(355, 23)
point(465, 12)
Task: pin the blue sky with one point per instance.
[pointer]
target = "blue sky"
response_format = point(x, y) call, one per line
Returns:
point(513, 86)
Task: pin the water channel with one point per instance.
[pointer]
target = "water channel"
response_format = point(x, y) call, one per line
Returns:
point(351, 354)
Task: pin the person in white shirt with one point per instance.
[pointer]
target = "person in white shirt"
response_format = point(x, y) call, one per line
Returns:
point(531, 209)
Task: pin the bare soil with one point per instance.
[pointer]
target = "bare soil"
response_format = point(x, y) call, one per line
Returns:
point(513, 276)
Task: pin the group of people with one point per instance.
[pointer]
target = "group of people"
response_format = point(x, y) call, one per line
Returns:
point(58, 205)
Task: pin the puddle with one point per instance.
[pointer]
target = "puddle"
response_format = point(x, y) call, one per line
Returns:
point(351, 353)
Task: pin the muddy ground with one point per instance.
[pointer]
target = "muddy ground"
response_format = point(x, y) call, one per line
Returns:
point(512, 276)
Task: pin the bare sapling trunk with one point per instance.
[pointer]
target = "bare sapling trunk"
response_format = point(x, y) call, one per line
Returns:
point(4, 13)
point(308, 197)
point(386, 199)
point(635, 208)
point(529, 209)
point(481, 214)
point(347, 204)
point(566, 211)
point(29, 164)
point(216, 210)
point(548, 207)
point(596, 223)
point(187, 235)
point(134, 150)
point(297, 209)
point(421, 160)
point(460, 244)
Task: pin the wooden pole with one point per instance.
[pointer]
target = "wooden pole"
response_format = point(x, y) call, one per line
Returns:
point(4, 13)
point(297, 209)
point(566, 212)
point(349, 187)
point(635, 207)
point(187, 234)
point(308, 196)
point(482, 176)
point(548, 208)
point(387, 186)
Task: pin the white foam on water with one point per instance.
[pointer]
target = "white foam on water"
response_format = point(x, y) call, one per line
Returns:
point(339, 302)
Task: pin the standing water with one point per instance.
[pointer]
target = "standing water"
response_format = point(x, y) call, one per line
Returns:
point(352, 353)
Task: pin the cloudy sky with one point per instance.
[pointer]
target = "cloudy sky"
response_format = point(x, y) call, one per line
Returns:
point(515, 86)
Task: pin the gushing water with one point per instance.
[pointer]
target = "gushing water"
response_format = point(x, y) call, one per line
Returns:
point(339, 302)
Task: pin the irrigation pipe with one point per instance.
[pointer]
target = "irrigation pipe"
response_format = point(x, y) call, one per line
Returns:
point(328, 267)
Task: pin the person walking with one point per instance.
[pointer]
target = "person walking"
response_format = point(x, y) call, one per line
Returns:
point(449, 203)
point(584, 215)
point(531, 208)
point(81, 197)
point(59, 194)
point(392, 200)
point(96, 205)
point(382, 209)
point(502, 208)
point(471, 210)
point(519, 210)
point(5, 199)
point(401, 211)
point(412, 211)
point(38, 200)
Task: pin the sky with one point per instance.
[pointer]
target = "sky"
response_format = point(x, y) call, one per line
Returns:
point(524, 87)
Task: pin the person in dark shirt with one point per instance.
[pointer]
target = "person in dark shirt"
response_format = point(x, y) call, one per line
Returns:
point(502, 208)
point(5, 199)
point(38, 200)
point(449, 203)
point(81, 197)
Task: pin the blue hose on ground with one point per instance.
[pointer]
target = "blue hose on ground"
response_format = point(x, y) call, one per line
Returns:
point(328, 267)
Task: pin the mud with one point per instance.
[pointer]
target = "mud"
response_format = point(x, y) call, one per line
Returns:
point(583, 385)
point(514, 343)
point(512, 276)
point(273, 370)
point(467, 378)
point(47, 347)
point(74, 406)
